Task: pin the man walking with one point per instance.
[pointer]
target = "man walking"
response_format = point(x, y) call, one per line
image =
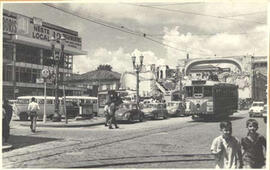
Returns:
point(33, 108)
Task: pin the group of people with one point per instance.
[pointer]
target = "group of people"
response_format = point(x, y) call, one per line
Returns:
point(111, 106)
point(230, 153)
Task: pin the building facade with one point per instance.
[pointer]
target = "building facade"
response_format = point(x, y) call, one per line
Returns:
point(27, 51)
point(94, 81)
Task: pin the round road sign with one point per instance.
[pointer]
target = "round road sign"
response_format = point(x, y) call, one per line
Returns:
point(45, 73)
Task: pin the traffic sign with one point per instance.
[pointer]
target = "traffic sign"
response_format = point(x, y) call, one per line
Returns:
point(39, 80)
point(45, 73)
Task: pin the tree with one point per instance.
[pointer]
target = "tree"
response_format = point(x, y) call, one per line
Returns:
point(105, 67)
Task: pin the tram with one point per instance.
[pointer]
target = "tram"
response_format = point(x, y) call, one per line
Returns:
point(209, 99)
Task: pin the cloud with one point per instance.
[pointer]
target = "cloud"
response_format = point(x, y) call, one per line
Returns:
point(221, 44)
point(118, 59)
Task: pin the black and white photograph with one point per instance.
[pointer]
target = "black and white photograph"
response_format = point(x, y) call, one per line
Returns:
point(135, 84)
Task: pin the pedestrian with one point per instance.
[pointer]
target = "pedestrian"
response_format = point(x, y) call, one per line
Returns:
point(227, 148)
point(5, 127)
point(253, 146)
point(106, 113)
point(112, 120)
point(9, 111)
point(33, 108)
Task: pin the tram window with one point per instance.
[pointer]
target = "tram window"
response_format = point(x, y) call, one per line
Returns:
point(207, 91)
point(189, 91)
point(197, 89)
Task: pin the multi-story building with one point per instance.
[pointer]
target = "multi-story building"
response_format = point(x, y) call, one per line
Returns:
point(27, 51)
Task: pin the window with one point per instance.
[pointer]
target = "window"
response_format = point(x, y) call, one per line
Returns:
point(7, 51)
point(197, 89)
point(23, 101)
point(207, 91)
point(28, 54)
point(189, 91)
point(49, 102)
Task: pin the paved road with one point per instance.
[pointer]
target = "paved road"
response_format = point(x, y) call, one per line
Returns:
point(172, 143)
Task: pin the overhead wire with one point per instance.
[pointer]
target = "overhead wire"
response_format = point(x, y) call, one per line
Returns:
point(121, 28)
point(193, 13)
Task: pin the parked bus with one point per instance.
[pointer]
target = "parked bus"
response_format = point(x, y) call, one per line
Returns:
point(76, 101)
point(72, 106)
point(21, 105)
point(210, 99)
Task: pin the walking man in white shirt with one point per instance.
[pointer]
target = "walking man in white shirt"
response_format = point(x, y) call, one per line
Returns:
point(33, 108)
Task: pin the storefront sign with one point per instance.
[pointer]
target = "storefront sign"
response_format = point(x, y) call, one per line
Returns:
point(43, 33)
point(36, 29)
point(9, 25)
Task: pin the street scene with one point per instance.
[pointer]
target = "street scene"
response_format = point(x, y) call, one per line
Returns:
point(135, 85)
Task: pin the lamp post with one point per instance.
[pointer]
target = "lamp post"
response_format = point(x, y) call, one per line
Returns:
point(137, 68)
point(56, 116)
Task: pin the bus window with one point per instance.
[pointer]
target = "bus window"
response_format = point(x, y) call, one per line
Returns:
point(207, 91)
point(197, 89)
point(23, 101)
point(189, 91)
point(40, 101)
point(49, 101)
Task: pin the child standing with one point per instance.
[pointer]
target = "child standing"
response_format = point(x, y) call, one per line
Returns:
point(253, 145)
point(227, 148)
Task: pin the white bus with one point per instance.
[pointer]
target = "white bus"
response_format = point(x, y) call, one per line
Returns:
point(21, 105)
point(76, 101)
point(72, 106)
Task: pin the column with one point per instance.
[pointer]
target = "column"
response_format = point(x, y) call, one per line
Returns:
point(14, 71)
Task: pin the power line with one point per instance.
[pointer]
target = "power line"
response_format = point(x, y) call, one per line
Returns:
point(194, 13)
point(96, 22)
point(178, 4)
point(117, 28)
point(252, 13)
point(210, 34)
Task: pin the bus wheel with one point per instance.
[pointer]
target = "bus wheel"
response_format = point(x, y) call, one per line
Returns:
point(155, 116)
point(141, 117)
point(23, 116)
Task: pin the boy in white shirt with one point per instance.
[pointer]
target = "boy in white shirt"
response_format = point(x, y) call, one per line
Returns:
point(227, 148)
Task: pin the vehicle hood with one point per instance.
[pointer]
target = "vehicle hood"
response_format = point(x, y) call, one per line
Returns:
point(256, 109)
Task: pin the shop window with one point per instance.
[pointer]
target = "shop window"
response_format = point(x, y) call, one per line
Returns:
point(27, 54)
point(7, 51)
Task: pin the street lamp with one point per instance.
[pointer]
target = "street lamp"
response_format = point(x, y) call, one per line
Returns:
point(137, 68)
point(56, 116)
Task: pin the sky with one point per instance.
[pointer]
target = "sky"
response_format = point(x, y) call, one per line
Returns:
point(163, 32)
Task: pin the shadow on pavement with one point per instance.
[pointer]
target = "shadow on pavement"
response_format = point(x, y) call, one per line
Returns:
point(23, 141)
point(219, 119)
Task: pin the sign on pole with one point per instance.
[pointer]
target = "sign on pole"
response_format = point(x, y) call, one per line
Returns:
point(45, 73)
point(45, 102)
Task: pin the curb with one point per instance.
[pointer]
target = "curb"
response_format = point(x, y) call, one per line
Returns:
point(66, 125)
point(6, 147)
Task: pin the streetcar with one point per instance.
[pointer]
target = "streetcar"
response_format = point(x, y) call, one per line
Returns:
point(209, 99)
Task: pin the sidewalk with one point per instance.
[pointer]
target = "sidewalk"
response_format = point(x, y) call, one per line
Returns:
point(71, 123)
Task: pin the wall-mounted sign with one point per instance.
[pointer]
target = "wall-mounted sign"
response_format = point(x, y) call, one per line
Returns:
point(22, 25)
point(37, 21)
point(9, 25)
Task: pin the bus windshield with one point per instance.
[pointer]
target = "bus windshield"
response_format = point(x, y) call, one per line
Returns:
point(205, 90)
